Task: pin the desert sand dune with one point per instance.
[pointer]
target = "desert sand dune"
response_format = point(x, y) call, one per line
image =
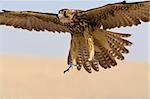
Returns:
point(43, 78)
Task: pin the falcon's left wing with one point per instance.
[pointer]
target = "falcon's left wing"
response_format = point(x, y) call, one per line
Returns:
point(32, 21)
point(119, 14)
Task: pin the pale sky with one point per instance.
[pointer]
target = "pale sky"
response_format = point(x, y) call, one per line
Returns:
point(54, 45)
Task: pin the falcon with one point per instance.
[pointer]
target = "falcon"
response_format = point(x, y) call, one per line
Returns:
point(92, 43)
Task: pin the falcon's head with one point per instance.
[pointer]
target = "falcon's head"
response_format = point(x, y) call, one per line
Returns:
point(66, 15)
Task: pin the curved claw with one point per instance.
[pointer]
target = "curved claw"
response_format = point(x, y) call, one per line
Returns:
point(67, 70)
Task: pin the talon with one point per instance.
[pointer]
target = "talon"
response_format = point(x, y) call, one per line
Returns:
point(70, 66)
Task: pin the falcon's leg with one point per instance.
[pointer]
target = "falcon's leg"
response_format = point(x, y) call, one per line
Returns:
point(70, 66)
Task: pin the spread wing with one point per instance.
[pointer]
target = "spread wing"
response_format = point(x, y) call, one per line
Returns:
point(119, 14)
point(32, 21)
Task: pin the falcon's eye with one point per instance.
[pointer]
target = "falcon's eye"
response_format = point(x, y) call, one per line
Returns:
point(65, 14)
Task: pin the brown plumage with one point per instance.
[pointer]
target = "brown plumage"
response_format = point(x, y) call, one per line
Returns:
point(119, 14)
point(32, 21)
point(92, 45)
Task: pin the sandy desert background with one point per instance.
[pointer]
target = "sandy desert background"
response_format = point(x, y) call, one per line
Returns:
point(43, 78)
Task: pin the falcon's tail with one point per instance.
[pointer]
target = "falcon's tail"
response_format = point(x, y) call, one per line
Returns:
point(79, 53)
point(108, 46)
point(99, 48)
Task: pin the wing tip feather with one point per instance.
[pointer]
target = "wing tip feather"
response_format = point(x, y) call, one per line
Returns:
point(5, 10)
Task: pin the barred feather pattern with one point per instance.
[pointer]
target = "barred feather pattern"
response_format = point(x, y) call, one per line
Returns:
point(79, 45)
point(95, 64)
point(83, 58)
point(79, 62)
point(104, 58)
point(108, 46)
point(120, 35)
point(118, 47)
point(116, 54)
point(105, 54)
point(119, 40)
point(117, 44)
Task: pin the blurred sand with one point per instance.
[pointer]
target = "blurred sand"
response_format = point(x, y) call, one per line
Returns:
point(43, 78)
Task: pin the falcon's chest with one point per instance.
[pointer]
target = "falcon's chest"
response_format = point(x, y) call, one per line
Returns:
point(78, 25)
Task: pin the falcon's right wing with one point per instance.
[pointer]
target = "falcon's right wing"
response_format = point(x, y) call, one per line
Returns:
point(32, 21)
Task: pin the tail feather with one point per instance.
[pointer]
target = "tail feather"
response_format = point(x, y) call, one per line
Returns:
point(86, 62)
point(79, 62)
point(100, 54)
point(108, 46)
point(119, 40)
point(79, 51)
point(95, 65)
point(116, 54)
point(118, 47)
point(87, 66)
point(102, 60)
point(118, 34)
point(105, 59)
